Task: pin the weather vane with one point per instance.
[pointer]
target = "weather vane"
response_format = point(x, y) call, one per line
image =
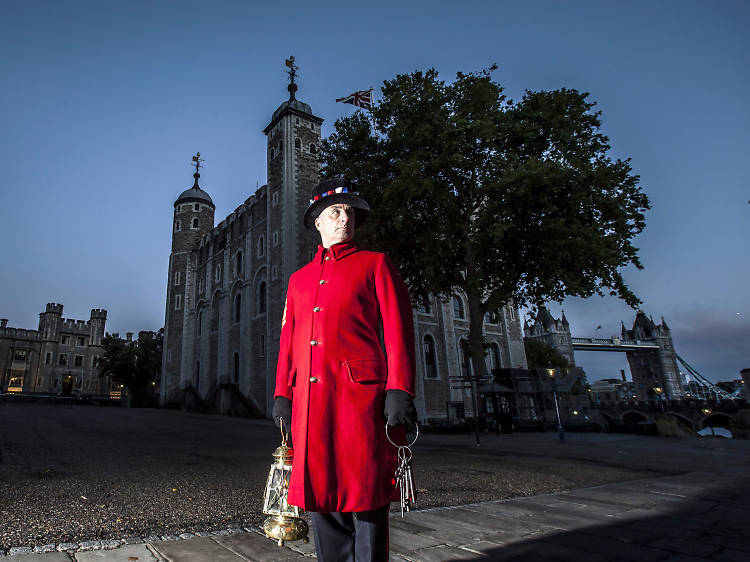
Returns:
point(197, 162)
point(293, 68)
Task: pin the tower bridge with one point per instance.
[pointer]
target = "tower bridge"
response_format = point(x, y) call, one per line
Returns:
point(650, 352)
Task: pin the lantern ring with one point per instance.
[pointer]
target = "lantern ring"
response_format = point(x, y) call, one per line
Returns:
point(416, 425)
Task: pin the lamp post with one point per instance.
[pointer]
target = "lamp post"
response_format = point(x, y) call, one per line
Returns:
point(707, 412)
point(551, 373)
point(659, 392)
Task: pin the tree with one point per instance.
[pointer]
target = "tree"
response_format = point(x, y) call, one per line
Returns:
point(539, 355)
point(506, 202)
point(134, 364)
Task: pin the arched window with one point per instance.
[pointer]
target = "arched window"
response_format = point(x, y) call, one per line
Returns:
point(313, 149)
point(195, 223)
point(458, 307)
point(261, 250)
point(199, 326)
point(430, 358)
point(465, 358)
point(237, 307)
point(176, 226)
point(297, 143)
point(262, 297)
point(425, 308)
point(272, 155)
point(495, 353)
point(236, 368)
point(238, 263)
point(197, 207)
point(218, 273)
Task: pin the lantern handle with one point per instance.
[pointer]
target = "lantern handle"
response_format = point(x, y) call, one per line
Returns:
point(416, 425)
point(284, 436)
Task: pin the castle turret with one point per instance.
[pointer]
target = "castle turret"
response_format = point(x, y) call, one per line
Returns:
point(193, 218)
point(292, 147)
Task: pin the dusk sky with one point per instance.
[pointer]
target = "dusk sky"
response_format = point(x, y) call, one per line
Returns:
point(104, 103)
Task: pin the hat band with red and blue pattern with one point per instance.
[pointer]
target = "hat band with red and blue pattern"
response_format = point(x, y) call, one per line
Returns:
point(333, 191)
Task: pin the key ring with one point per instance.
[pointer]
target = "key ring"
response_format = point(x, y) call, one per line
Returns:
point(416, 425)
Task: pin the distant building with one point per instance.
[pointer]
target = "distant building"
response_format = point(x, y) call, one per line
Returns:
point(553, 332)
point(227, 285)
point(60, 357)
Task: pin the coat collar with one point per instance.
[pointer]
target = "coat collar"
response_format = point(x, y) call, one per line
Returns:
point(337, 251)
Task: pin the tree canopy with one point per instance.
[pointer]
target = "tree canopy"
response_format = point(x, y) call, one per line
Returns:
point(134, 364)
point(539, 355)
point(506, 202)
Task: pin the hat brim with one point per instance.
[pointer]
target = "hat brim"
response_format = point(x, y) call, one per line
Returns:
point(361, 208)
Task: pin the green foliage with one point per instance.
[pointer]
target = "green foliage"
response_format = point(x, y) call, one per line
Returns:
point(508, 202)
point(539, 355)
point(136, 364)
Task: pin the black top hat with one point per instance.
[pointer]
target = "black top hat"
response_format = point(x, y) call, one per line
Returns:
point(330, 192)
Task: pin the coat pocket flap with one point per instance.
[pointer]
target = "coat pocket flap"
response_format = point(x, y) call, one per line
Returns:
point(366, 371)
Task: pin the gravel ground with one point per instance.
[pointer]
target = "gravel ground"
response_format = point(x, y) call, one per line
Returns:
point(88, 473)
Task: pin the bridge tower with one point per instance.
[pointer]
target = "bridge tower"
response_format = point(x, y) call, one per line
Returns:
point(552, 332)
point(653, 368)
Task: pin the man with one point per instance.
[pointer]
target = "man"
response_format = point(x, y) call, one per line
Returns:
point(336, 384)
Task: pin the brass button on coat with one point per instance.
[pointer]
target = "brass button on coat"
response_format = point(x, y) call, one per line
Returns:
point(313, 379)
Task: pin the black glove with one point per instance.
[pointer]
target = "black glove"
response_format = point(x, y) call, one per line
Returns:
point(399, 407)
point(282, 410)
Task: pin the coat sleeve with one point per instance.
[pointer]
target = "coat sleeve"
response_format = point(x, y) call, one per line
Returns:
point(398, 325)
point(284, 364)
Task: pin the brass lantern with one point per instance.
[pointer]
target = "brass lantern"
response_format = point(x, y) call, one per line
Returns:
point(284, 523)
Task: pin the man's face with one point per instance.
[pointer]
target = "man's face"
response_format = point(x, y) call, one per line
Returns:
point(335, 224)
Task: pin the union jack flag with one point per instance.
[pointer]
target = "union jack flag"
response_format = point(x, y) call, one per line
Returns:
point(362, 98)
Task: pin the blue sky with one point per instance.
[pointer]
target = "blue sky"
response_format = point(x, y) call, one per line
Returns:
point(104, 103)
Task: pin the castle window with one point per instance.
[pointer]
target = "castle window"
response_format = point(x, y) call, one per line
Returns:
point(80, 341)
point(19, 355)
point(281, 146)
point(261, 298)
point(313, 149)
point(176, 277)
point(297, 143)
point(495, 354)
point(197, 383)
point(177, 226)
point(238, 263)
point(465, 358)
point(458, 307)
point(491, 318)
point(62, 359)
point(48, 359)
point(425, 308)
point(261, 249)
point(275, 198)
point(430, 358)
point(65, 340)
point(94, 361)
point(218, 273)
point(197, 207)
point(275, 237)
point(177, 302)
point(199, 326)
point(296, 121)
point(79, 361)
point(195, 224)
point(312, 126)
point(261, 345)
point(237, 307)
point(236, 368)
point(272, 155)
point(274, 272)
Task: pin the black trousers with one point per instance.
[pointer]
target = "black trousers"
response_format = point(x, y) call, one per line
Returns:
point(360, 536)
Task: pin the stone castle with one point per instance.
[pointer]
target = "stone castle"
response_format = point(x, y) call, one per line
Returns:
point(227, 285)
point(61, 357)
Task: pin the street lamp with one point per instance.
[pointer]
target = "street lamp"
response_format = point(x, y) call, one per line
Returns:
point(707, 412)
point(659, 391)
point(551, 373)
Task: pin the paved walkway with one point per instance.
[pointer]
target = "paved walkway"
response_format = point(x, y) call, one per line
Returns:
point(699, 515)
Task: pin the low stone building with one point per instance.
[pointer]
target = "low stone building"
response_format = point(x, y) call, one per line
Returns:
point(60, 357)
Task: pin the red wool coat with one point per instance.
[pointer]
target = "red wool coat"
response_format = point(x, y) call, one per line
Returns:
point(331, 366)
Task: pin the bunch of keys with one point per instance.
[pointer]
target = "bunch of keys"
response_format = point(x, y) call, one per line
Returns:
point(404, 478)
